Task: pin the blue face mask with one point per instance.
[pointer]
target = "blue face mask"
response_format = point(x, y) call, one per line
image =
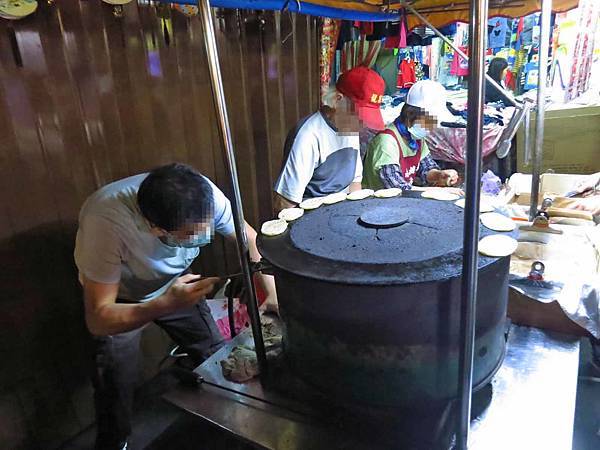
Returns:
point(418, 132)
point(194, 241)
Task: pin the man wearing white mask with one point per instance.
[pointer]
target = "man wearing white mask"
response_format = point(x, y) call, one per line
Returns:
point(399, 155)
point(136, 240)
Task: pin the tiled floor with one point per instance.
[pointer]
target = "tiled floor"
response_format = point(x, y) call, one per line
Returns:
point(160, 426)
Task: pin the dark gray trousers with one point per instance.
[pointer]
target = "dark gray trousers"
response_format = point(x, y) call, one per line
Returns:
point(116, 362)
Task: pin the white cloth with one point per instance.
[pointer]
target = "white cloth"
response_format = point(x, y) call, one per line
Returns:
point(581, 304)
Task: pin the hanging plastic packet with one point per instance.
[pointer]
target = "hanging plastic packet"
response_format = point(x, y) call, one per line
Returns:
point(490, 183)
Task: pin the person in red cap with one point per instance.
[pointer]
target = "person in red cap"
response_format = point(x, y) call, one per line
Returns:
point(322, 153)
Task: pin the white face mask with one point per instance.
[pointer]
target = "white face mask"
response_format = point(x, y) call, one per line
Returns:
point(418, 132)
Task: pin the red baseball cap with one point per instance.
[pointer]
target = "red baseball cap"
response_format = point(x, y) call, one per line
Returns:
point(365, 88)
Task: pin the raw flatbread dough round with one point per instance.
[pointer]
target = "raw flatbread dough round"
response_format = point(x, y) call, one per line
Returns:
point(497, 222)
point(361, 194)
point(483, 205)
point(388, 193)
point(273, 227)
point(311, 203)
point(291, 214)
point(440, 194)
point(335, 198)
point(497, 245)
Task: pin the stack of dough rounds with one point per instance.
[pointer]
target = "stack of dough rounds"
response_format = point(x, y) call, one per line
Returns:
point(334, 198)
point(440, 194)
point(483, 205)
point(361, 194)
point(497, 222)
point(311, 203)
point(497, 245)
point(291, 214)
point(273, 227)
point(388, 193)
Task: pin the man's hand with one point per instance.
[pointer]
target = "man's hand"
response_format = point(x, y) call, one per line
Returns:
point(443, 178)
point(188, 290)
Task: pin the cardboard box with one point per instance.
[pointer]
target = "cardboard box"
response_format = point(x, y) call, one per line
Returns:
point(551, 184)
point(571, 141)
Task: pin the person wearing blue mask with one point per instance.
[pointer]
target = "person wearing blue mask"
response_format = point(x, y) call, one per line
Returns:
point(136, 240)
point(399, 155)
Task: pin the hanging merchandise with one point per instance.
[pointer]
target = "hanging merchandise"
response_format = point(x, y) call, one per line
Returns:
point(531, 72)
point(398, 41)
point(497, 35)
point(17, 9)
point(406, 74)
point(329, 38)
point(359, 53)
point(186, 10)
point(460, 66)
point(581, 64)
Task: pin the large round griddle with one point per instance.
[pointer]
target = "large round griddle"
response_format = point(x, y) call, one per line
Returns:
point(374, 241)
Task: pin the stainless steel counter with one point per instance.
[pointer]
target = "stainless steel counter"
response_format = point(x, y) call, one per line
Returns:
point(531, 404)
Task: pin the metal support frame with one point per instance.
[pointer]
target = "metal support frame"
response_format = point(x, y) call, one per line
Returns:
point(477, 46)
point(216, 82)
point(536, 167)
point(451, 44)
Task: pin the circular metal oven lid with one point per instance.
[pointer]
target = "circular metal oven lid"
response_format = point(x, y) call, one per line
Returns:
point(398, 240)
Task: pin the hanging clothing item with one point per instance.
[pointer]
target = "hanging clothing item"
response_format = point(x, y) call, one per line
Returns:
point(406, 74)
point(359, 53)
point(329, 38)
point(347, 33)
point(386, 65)
point(398, 41)
point(365, 28)
point(497, 36)
point(460, 66)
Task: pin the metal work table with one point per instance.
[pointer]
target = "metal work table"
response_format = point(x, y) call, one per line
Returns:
point(530, 404)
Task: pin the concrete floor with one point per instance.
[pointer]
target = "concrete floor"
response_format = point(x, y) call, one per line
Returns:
point(160, 426)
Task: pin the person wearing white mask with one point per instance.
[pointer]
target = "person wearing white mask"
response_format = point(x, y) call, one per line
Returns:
point(136, 240)
point(399, 155)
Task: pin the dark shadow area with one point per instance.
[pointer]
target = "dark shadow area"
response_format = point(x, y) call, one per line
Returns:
point(43, 340)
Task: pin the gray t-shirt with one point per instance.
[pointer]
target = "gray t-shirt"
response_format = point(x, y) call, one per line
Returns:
point(114, 243)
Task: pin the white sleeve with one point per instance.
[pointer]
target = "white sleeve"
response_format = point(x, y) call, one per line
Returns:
point(222, 208)
point(299, 166)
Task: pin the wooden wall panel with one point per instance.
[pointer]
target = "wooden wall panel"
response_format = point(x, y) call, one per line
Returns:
point(90, 98)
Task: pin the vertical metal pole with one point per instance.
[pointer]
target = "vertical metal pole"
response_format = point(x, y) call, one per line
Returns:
point(541, 106)
point(477, 46)
point(216, 82)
